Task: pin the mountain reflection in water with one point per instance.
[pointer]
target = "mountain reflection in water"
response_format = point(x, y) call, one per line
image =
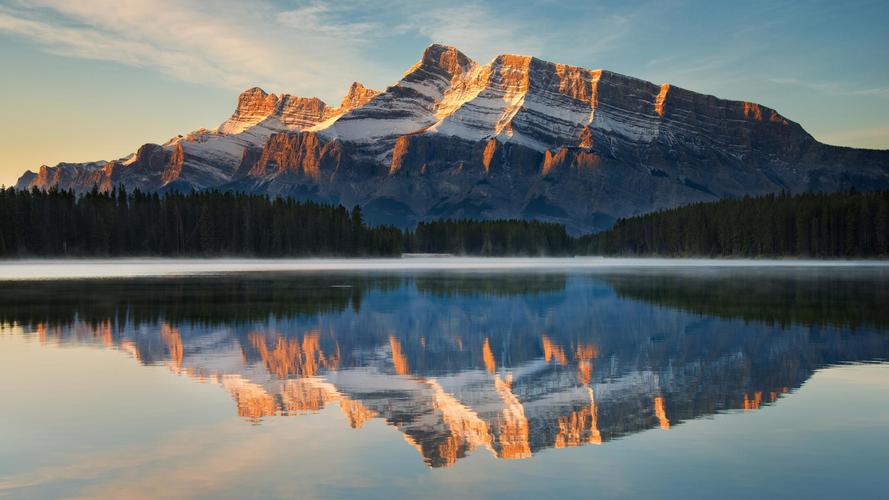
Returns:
point(513, 363)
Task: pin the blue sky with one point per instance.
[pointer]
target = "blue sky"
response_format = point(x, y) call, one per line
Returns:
point(85, 80)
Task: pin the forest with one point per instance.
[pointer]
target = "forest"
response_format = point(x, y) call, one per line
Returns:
point(835, 225)
point(493, 237)
point(121, 223)
point(211, 224)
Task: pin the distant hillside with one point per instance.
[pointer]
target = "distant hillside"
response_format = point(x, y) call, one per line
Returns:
point(808, 225)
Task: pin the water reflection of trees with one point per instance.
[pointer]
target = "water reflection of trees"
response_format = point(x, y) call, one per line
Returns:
point(201, 300)
point(839, 297)
point(235, 298)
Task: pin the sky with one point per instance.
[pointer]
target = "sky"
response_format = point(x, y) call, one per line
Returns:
point(84, 80)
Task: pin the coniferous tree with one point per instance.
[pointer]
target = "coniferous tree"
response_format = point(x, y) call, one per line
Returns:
point(848, 224)
point(121, 223)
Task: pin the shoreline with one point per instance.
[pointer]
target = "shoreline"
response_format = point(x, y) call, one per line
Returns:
point(56, 269)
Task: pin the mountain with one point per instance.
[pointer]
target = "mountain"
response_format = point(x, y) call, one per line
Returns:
point(516, 137)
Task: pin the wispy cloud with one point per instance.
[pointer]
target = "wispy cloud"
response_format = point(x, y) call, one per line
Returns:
point(476, 29)
point(225, 43)
point(831, 88)
point(312, 48)
point(329, 20)
point(94, 44)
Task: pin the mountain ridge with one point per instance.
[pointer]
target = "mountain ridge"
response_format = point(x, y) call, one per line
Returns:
point(516, 137)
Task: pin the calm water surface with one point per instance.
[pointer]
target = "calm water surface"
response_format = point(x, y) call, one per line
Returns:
point(444, 379)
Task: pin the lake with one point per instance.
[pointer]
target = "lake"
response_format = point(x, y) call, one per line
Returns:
point(448, 378)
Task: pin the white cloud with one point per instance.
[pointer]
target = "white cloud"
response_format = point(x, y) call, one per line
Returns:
point(225, 43)
point(304, 47)
point(324, 19)
point(94, 44)
point(311, 48)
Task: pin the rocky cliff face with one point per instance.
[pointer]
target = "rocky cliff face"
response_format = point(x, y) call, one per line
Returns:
point(517, 137)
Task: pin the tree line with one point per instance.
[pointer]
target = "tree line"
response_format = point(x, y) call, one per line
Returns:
point(209, 223)
point(120, 223)
point(490, 238)
point(849, 224)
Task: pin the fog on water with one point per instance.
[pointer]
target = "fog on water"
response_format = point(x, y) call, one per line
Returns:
point(124, 268)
